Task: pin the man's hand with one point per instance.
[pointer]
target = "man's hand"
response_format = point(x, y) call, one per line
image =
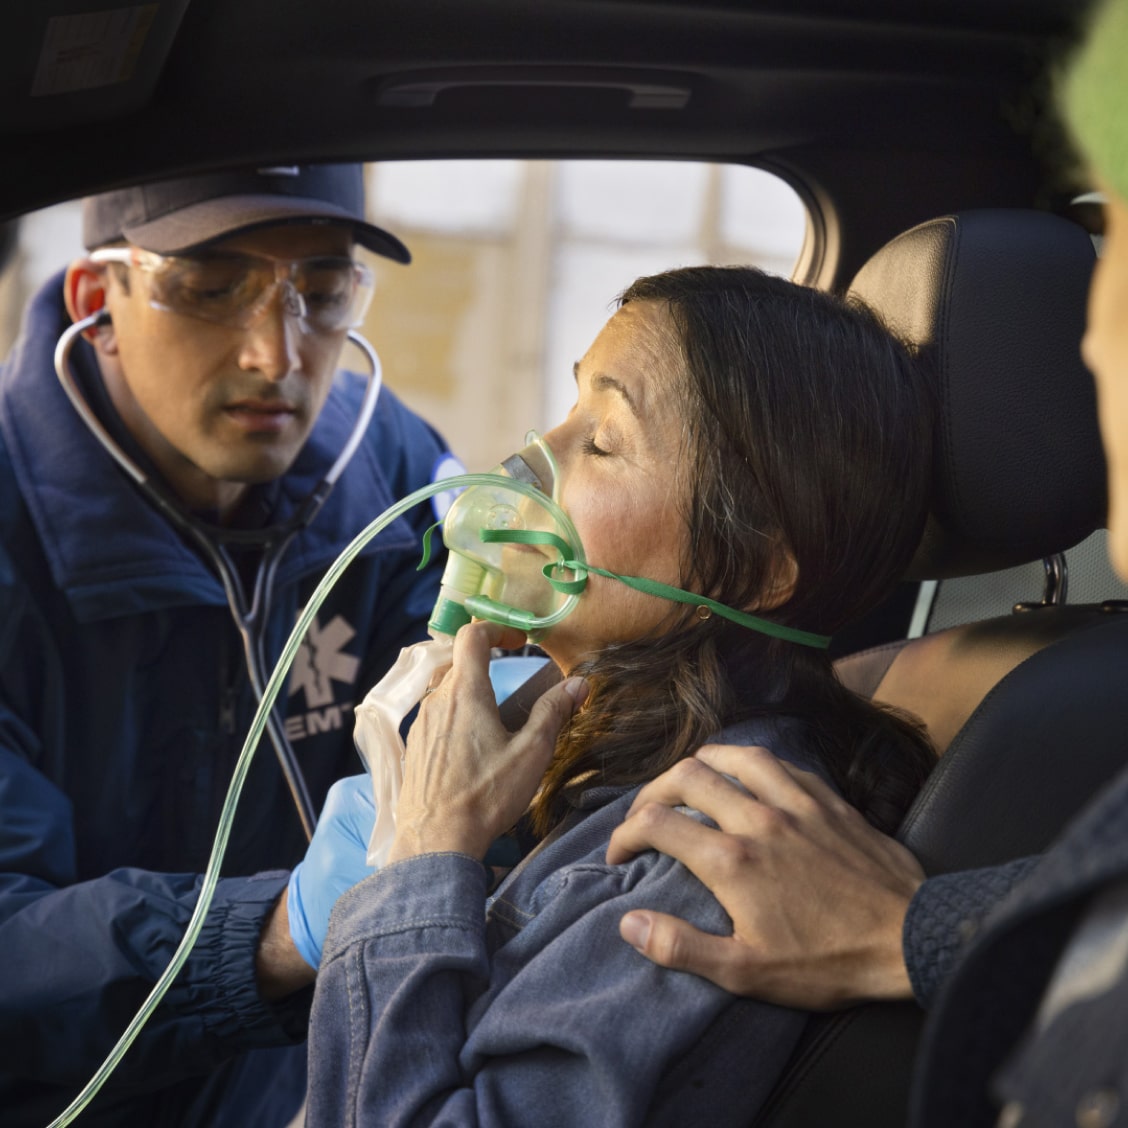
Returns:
point(289, 948)
point(817, 897)
point(336, 859)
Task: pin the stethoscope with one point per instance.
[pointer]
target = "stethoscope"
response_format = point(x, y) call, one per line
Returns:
point(251, 616)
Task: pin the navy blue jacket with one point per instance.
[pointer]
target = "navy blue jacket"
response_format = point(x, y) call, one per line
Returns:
point(124, 703)
point(997, 1037)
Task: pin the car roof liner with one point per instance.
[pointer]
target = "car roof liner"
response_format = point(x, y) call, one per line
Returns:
point(93, 100)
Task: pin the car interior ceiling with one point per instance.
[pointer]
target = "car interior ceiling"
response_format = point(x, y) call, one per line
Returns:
point(883, 115)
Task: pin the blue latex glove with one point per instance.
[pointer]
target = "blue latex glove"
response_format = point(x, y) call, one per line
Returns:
point(334, 862)
point(508, 674)
point(335, 859)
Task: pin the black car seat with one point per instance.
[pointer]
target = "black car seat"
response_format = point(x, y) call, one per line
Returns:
point(1028, 710)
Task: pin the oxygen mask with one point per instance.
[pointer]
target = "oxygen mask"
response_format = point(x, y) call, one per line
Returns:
point(515, 557)
point(507, 539)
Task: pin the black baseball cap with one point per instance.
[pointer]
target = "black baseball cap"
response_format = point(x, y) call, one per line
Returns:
point(177, 216)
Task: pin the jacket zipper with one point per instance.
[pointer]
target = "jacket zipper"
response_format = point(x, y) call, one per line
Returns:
point(228, 689)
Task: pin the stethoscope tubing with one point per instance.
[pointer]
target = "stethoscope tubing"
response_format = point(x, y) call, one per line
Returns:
point(251, 616)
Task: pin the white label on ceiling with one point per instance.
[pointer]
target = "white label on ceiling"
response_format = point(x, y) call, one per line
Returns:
point(92, 49)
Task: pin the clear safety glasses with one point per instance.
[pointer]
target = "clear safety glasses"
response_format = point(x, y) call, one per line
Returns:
point(235, 289)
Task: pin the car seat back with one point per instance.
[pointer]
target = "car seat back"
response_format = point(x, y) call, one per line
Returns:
point(1026, 710)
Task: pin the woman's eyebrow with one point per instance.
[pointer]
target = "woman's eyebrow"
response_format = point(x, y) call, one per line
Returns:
point(600, 382)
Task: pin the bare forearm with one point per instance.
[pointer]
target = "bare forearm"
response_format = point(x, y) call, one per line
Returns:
point(279, 969)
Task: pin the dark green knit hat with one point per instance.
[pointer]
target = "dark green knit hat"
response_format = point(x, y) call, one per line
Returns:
point(1094, 94)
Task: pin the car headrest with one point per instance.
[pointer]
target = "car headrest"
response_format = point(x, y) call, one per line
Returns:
point(994, 301)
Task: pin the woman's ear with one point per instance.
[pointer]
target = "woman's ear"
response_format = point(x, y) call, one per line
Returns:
point(781, 584)
point(84, 292)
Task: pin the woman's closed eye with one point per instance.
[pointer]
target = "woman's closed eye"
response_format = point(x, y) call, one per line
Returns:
point(589, 447)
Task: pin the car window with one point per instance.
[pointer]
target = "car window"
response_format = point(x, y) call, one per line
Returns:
point(516, 266)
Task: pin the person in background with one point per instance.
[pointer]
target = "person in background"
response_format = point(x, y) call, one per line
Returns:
point(1043, 981)
point(217, 309)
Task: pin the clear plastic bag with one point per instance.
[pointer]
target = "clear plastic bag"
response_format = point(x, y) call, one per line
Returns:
point(377, 731)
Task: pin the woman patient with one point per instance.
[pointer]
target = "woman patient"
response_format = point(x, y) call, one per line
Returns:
point(734, 435)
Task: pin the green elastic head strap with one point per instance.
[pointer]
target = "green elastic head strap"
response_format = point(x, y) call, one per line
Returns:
point(426, 557)
point(519, 536)
point(649, 587)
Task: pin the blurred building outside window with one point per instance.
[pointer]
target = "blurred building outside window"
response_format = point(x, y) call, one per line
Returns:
point(516, 267)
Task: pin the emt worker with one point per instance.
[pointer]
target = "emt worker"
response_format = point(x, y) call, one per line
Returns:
point(217, 308)
point(1029, 1022)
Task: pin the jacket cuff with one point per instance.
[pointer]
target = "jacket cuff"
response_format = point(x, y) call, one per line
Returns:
point(219, 982)
point(445, 889)
point(943, 917)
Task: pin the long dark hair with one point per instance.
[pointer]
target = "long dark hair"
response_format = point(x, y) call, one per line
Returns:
point(808, 434)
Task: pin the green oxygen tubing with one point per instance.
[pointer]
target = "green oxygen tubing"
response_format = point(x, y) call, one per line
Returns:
point(570, 548)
